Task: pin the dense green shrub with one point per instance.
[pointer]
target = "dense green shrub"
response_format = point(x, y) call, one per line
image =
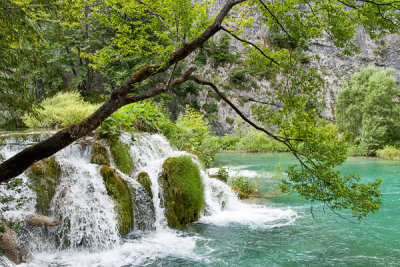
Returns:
point(238, 75)
point(242, 186)
point(200, 59)
point(250, 140)
point(279, 39)
point(218, 50)
point(194, 135)
point(256, 141)
point(357, 150)
point(388, 152)
point(61, 110)
point(222, 175)
point(366, 107)
point(144, 116)
point(229, 141)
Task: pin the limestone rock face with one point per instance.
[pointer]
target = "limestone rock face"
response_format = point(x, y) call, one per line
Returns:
point(183, 191)
point(334, 67)
point(119, 191)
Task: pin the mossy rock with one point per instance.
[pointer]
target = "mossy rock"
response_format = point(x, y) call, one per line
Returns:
point(183, 191)
point(100, 155)
point(121, 156)
point(44, 176)
point(240, 193)
point(144, 179)
point(119, 191)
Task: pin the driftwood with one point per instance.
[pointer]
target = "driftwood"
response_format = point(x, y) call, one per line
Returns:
point(37, 220)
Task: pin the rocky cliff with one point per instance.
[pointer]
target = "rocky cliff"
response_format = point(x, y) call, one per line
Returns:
point(335, 68)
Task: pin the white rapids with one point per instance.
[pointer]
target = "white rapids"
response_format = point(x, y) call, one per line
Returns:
point(89, 236)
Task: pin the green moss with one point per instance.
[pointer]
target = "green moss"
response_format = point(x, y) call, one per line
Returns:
point(100, 155)
point(144, 179)
point(229, 120)
point(121, 156)
point(118, 190)
point(183, 191)
point(44, 176)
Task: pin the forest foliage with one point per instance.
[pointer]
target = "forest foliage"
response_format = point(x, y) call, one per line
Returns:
point(368, 108)
point(125, 48)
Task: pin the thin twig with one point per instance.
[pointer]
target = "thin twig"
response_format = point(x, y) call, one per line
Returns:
point(292, 40)
point(250, 43)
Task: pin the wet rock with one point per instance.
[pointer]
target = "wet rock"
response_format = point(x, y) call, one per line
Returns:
point(144, 179)
point(118, 190)
point(44, 176)
point(121, 156)
point(99, 155)
point(183, 191)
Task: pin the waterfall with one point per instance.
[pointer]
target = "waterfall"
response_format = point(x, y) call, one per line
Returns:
point(82, 203)
point(89, 223)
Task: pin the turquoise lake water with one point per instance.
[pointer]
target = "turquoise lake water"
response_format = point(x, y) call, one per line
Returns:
point(273, 230)
point(325, 240)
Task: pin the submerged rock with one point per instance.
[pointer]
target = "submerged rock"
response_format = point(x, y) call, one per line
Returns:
point(11, 246)
point(144, 179)
point(44, 176)
point(121, 156)
point(183, 191)
point(120, 192)
point(99, 155)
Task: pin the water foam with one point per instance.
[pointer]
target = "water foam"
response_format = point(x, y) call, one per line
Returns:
point(89, 230)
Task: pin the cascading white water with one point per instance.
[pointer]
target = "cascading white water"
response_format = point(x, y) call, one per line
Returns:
point(10, 144)
point(149, 153)
point(81, 201)
point(89, 220)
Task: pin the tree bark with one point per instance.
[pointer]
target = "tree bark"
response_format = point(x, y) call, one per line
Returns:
point(21, 161)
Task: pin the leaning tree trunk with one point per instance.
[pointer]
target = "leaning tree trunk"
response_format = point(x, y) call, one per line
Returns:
point(21, 161)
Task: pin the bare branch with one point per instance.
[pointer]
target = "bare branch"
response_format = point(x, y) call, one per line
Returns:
point(250, 43)
point(161, 19)
point(292, 40)
point(223, 97)
point(160, 88)
point(178, 55)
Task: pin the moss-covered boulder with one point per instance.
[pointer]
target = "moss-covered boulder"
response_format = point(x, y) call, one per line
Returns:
point(120, 192)
point(144, 179)
point(121, 156)
point(183, 191)
point(99, 155)
point(44, 176)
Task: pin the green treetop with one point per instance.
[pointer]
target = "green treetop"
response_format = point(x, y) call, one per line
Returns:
point(161, 34)
point(367, 107)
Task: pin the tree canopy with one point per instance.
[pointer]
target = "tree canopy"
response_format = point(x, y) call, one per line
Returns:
point(367, 107)
point(145, 41)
